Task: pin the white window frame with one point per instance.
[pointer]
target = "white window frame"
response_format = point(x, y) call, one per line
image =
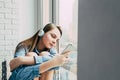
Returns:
point(52, 9)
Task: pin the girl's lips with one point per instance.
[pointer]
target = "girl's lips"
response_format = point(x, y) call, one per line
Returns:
point(51, 44)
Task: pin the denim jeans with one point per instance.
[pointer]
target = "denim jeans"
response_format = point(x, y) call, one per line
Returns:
point(25, 73)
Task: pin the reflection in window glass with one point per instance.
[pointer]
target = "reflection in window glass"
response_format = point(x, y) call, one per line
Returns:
point(68, 21)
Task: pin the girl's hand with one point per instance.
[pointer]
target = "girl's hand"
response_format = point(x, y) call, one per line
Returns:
point(59, 60)
point(14, 63)
point(66, 54)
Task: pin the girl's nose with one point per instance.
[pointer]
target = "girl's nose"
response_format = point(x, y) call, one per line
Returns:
point(54, 42)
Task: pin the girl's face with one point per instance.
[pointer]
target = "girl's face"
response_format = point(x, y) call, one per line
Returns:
point(51, 37)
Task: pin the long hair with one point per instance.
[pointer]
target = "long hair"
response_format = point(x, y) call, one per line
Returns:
point(32, 41)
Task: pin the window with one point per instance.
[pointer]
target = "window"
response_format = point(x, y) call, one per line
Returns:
point(68, 21)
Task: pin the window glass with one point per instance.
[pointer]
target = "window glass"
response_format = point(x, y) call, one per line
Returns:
point(68, 13)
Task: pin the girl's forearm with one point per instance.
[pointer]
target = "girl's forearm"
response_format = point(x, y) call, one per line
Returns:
point(46, 66)
point(23, 60)
point(58, 60)
point(27, 60)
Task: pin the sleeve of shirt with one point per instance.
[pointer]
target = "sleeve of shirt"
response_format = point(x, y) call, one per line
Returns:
point(53, 51)
point(41, 59)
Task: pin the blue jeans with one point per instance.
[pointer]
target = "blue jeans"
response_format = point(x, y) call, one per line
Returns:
point(25, 73)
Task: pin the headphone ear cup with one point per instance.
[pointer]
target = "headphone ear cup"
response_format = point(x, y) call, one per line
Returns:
point(41, 33)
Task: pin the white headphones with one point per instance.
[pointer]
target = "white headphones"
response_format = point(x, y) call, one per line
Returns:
point(41, 33)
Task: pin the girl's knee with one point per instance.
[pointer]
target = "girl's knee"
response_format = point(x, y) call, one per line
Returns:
point(31, 54)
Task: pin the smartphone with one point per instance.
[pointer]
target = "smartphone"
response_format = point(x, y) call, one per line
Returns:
point(69, 47)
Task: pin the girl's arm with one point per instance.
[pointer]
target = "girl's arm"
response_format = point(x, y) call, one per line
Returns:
point(31, 58)
point(58, 60)
point(16, 62)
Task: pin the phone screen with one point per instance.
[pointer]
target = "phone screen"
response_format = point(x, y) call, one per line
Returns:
point(69, 47)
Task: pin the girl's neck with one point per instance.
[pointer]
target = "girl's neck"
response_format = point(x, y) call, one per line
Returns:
point(40, 45)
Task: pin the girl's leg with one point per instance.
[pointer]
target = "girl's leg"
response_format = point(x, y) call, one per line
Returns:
point(37, 78)
point(48, 75)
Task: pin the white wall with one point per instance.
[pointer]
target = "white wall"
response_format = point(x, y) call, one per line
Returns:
point(28, 17)
point(8, 31)
point(17, 22)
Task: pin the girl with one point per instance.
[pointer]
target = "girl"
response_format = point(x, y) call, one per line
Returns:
point(35, 57)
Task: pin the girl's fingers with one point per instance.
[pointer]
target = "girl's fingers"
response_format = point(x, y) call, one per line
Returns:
point(66, 54)
point(66, 60)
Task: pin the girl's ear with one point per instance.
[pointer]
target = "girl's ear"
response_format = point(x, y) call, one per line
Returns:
point(41, 33)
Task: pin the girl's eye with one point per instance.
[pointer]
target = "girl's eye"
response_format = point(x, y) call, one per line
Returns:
point(54, 36)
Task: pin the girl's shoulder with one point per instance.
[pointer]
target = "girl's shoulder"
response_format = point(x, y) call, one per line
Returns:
point(22, 46)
